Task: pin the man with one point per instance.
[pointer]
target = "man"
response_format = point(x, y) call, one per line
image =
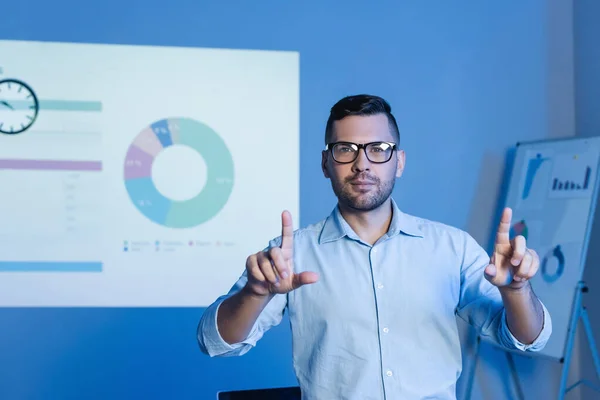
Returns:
point(372, 292)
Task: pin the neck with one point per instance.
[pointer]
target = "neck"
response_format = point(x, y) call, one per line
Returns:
point(369, 225)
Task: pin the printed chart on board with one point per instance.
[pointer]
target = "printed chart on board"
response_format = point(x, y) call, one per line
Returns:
point(551, 193)
point(141, 176)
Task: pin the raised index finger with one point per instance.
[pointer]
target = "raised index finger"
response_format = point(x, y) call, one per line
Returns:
point(503, 233)
point(287, 231)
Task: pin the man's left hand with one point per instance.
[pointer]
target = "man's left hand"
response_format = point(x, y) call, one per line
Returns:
point(512, 263)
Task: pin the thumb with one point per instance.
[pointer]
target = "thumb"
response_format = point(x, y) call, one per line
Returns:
point(304, 278)
point(497, 277)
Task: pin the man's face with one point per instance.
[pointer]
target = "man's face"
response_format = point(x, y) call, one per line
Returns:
point(363, 185)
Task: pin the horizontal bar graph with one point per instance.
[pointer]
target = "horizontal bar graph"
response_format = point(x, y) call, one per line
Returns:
point(50, 165)
point(70, 105)
point(56, 105)
point(50, 266)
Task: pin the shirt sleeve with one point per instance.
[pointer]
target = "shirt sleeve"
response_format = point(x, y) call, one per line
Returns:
point(209, 338)
point(538, 344)
point(481, 304)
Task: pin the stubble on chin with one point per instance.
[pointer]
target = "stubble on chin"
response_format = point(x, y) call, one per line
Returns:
point(366, 201)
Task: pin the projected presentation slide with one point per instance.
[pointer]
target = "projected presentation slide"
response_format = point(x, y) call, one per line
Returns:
point(141, 176)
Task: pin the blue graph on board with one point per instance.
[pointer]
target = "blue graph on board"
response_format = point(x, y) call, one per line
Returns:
point(557, 253)
point(532, 169)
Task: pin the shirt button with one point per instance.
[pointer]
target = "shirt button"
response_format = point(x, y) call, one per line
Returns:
point(389, 373)
point(386, 330)
point(374, 250)
point(379, 286)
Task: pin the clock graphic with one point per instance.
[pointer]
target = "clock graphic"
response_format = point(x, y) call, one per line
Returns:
point(19, 106)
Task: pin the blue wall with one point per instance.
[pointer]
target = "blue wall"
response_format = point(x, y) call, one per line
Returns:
point(587, 66)
point(466, 79)
point(587, 100)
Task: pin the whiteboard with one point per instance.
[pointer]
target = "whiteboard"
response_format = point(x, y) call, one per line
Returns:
point(140, 175)
point(553, 192)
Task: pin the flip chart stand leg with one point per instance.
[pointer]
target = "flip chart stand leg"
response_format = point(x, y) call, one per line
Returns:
point(515, 376)
point(580, 313)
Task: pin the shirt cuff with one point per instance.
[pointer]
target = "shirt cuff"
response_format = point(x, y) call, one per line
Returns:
point(538, 344)
point(210, 338)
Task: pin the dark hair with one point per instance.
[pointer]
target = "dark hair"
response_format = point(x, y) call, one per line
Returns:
point(362, 104)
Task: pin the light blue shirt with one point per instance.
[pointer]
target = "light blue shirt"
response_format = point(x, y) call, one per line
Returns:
point(381, 321)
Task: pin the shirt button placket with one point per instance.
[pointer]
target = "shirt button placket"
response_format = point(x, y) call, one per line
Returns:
point(382, 328)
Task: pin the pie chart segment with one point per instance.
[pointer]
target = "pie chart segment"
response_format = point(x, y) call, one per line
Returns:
point(148, 200)
point(173, 126)
point(520, 228)
point(219, 179)
point(138, 163)
point(148, 142)
point(161, 130)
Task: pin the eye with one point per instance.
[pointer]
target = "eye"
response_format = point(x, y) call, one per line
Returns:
point(379, 147)
point(344, 148)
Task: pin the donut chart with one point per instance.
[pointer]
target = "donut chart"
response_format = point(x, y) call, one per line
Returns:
point(154, 139)
point(556, 253)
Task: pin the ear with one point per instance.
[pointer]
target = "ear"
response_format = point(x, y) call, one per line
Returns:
point(401, 162)
point(324, 164)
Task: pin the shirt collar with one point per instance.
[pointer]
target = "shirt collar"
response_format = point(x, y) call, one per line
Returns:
point(336, 227)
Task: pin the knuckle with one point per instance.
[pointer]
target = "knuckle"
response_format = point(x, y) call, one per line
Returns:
point(266, 264)
point(256, 274)
point(262, 257)
point(534, 254)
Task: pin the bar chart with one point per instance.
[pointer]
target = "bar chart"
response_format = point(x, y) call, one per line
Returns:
point(573, 175)
point(53, 171)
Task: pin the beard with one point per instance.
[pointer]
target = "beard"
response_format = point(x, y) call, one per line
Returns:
point(363, 199)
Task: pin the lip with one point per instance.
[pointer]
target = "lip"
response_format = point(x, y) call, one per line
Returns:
point(361, 183)
point(362, 186)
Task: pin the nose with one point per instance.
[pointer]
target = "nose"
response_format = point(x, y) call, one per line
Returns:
point(361, 163)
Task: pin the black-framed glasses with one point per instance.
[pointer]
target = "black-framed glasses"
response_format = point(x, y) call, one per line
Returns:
point(347, 152)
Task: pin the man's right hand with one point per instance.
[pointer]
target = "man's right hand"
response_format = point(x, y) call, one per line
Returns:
point(272, 271)
point(269, 273)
